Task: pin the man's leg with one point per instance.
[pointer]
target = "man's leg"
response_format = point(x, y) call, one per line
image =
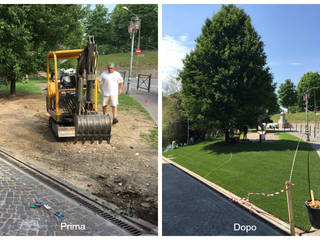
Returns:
point(114, 103)
point(115, 114)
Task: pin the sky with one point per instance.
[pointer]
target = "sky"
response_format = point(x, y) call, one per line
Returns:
point(290, 33)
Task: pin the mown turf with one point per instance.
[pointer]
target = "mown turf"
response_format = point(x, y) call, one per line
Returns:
point(257, 167)
point(27, 87)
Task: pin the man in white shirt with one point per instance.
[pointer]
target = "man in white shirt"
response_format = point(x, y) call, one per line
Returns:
point(112, 84)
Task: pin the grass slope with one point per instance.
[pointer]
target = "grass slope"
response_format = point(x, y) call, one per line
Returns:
point(257, 167)
point(296, 117)
point(122, 60)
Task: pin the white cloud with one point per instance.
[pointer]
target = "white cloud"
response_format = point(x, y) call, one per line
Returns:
point(183, 38)
point(294, 63)
point(171, 55)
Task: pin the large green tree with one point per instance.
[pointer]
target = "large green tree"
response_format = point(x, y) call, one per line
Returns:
point(174, 124)
point(225, 81)
point(28, 32)
point(16, 47)
point(287, 94)
point(97, 24)
point(310, 82)
point(120, 19)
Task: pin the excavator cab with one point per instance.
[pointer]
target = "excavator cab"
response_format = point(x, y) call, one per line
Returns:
point(72, 96)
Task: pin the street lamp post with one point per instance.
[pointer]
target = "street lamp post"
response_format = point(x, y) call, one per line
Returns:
point(133, 27)
point(306, 96)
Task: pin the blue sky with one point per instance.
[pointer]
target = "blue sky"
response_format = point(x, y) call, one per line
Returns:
point(290, 33)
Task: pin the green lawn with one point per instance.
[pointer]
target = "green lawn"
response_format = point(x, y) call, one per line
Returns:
point(257, 167)
point(28, 87)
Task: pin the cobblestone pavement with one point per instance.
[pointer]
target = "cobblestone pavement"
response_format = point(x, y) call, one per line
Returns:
point(18, 191)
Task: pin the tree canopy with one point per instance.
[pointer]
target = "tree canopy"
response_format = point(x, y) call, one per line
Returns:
point(287, 94)
point(29, 32)
point(111, 28)
point(225, 81)
point(310, 81)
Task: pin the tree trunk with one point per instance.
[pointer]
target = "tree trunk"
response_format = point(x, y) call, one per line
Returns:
point(226, 135)
point(12, 86)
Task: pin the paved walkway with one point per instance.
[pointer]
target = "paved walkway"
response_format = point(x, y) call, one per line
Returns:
point(149, 100)
point(18, 191)
point(313, 141)
point(190, 208)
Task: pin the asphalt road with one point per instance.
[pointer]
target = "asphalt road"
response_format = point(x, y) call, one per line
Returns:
point(149, 100)
point(190, 208)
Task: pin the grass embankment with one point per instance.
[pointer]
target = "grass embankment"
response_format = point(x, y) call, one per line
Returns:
point(149, 60)
point(122, 60)
point(296, 117)
point(257, 167)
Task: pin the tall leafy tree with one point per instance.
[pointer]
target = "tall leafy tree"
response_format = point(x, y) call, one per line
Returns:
point(120, 19)
point(310, 81)
point(287, 94)
point(28, 32)
point(16, 48)
point(225, 81)
point(97, 24)
point(174, 124)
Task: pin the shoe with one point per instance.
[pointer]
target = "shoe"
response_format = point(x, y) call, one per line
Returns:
point(115, 120)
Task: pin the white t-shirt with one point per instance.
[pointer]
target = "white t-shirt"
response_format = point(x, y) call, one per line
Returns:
point(110, 83)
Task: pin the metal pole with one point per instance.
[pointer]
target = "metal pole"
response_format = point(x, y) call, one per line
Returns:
point(307, 128)
point(131, 58)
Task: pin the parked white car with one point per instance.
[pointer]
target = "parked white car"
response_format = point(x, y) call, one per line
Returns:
point(272, 126)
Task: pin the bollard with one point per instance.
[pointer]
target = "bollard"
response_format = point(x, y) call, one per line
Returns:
point(290, 209)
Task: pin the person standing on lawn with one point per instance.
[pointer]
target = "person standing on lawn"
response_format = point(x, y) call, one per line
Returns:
point(112, 84)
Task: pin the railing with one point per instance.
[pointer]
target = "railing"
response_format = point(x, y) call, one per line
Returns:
point(144, 82)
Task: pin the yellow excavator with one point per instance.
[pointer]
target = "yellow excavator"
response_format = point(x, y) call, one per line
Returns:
point(72, 96)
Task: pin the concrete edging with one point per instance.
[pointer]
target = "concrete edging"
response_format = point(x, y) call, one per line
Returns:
point(258, 211)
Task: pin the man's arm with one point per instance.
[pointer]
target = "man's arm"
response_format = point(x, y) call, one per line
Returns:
point(98, 85)
point(120, 87)
point(120, 80)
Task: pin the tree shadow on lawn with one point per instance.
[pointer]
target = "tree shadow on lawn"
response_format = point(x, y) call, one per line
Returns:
point(280, 145)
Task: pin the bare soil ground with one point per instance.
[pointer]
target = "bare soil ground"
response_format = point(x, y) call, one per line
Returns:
point(124, 172)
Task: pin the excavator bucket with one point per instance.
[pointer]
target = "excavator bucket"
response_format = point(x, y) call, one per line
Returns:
point(92, 127)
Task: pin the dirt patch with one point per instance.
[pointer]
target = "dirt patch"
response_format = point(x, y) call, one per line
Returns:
point(124, 172)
